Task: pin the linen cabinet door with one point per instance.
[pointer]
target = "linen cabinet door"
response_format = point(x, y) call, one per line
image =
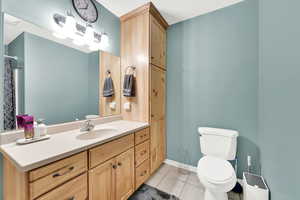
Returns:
point(158, 44)
point(125, 175)
point(102, 181)
point(158, 90)
point(158, 144)
point(157, 129)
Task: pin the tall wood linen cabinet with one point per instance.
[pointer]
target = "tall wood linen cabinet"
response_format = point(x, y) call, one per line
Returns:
point(143, 47)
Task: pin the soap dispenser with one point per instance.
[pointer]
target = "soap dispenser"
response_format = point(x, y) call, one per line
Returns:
point(40, 128)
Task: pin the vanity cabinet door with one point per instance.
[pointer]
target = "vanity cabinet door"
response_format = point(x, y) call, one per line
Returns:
point(102, 181)
point(157, 128)
point(158, 44)
point(125, 175)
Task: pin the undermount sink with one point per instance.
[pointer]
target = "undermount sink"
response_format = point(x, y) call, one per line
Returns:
point(96, 133)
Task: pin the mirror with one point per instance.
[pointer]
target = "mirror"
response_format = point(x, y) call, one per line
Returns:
point(54, 79)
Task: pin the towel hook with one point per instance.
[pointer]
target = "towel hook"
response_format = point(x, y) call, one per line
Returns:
point(108, 72)
point(130, 67)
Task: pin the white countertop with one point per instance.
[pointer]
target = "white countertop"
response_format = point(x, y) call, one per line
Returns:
point(64, 144)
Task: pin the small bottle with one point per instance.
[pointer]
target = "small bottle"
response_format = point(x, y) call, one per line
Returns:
point(40, 129)
point(37, 133)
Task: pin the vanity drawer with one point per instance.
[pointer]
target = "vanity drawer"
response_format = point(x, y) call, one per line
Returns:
point(142, 173)
point(75, 189)
point(111, 149)
point(142, 152)
point(141, 136)
point(46, 178)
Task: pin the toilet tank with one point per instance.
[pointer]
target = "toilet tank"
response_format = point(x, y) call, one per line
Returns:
point(220, 143)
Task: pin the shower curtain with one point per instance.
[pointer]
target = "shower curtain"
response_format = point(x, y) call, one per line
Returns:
point(9, 97)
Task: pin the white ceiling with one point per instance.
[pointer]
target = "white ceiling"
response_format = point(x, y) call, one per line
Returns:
point(172, 10)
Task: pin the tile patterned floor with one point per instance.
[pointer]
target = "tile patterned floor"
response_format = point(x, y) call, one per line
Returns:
point(181, 183)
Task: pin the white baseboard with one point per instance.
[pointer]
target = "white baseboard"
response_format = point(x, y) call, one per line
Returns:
point(189, 167)
point(181, 165)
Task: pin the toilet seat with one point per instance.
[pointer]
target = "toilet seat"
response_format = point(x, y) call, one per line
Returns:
point(215, 170)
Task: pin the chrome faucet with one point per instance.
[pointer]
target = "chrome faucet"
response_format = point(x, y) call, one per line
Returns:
point(87, 126)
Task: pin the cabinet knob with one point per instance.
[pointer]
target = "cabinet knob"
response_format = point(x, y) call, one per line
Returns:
point(119, 164)
point(143, 173)
point(72, 198)
point(114, 166)
point(143, 152)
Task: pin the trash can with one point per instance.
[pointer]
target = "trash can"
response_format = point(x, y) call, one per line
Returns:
point(255, 187)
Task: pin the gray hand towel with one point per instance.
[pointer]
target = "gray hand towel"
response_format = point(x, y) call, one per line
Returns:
point(128, 86)
point(108, 88)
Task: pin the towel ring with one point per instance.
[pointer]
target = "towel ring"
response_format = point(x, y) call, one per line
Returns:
point(108, 72)
point(130, 67)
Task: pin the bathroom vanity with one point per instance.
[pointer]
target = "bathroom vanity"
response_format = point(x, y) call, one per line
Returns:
point(75, 165)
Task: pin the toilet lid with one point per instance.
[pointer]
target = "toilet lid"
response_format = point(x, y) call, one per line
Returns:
point(215, 170)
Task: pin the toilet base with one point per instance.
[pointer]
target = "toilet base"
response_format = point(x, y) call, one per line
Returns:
point(213, 195)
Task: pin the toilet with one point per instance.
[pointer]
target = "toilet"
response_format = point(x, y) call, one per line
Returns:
point(214, 171)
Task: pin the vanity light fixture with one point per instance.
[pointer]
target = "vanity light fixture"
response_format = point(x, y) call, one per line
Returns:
point(67, 27)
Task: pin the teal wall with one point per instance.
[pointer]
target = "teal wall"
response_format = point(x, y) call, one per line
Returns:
point(212, 80)
point(93, 83)
point(55, 73)
point(279, 97)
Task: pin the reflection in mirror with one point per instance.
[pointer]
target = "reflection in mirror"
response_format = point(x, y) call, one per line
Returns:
point(49, 78)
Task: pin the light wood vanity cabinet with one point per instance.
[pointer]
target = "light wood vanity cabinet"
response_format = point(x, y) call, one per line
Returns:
point(114, 179)
point(65, 179)
point(110, 171)
point(125, 175)
point(142, 152)
point(44, 179)
point(116, 174)
point(76, 189)
point(102, 181)
point(109, 150)
point(142, 156)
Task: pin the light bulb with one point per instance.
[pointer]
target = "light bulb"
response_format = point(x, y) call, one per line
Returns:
point(89, 35)
point(70, 25)
point(104, 40)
